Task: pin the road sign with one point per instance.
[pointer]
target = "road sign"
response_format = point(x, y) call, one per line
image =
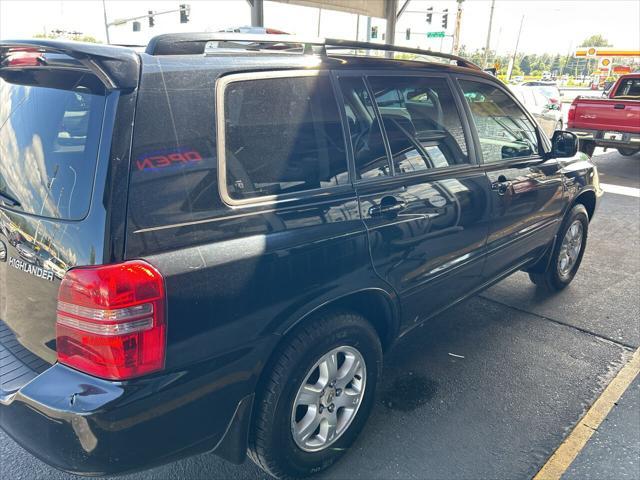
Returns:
point(435, 34)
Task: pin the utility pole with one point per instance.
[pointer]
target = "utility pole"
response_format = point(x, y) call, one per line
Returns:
point(456, 33)
point(106, 24)
point(515, 51)
point(488, 44)
point(319, 18)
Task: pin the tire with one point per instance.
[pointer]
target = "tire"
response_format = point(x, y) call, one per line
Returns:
point(627, 152)
point(587, 147)
point(272, 445)
point(565, 259)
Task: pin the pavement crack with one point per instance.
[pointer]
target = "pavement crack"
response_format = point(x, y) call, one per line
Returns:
point(564, 324)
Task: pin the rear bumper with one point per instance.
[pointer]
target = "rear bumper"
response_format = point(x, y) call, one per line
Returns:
point(84, 425)
point(629, 140)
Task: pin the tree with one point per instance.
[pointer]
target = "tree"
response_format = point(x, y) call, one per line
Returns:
point(525, 65)
point(556, 64)
point(595, 41)
point(57, 34)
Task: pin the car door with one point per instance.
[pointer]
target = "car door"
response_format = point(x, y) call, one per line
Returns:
point(423, 199)
point(527, 191)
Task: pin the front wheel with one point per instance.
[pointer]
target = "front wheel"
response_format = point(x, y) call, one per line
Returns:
point(627, 152)
point(317, 397)
point(567, 252)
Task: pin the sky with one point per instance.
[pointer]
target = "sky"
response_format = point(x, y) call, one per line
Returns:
point(548, 26)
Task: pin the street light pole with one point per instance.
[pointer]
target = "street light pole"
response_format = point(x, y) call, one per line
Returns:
point(488, 44)
point(515, 51)
point(456, 33)
point(106, 24)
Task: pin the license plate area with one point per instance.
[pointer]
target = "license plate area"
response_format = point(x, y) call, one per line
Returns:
point(612, 136)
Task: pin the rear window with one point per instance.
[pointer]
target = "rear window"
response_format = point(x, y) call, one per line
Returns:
point(50, 126)
point(628, 88)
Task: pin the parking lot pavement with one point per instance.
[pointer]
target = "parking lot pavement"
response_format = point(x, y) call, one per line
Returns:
point(532, 365)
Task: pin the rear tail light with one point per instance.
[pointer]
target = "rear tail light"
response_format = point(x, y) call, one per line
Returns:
point(111, 320)
point(572, 113)
point(556, 102)
point(24, 58)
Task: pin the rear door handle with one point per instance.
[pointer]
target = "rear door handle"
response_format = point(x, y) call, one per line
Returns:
point(619, 106)
point(388, 206)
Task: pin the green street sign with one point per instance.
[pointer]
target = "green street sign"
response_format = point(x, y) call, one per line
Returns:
point(435, 34)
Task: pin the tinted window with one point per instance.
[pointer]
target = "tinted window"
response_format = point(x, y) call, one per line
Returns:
point(49, 136)
point(503, 128)
point(282, 135)
point(366, 137)
point(174, 176)
point(628, 88)
point(422, 124)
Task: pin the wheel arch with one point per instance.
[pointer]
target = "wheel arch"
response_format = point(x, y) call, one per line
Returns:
point(376, 305)
point(588, 199)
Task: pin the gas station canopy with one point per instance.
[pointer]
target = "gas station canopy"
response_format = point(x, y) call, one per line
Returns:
point(605, 52)
point(371, 8)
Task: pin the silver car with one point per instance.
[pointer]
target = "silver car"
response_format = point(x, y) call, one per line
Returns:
point(547, 114)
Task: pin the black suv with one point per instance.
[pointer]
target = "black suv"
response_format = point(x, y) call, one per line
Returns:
point(208, 245)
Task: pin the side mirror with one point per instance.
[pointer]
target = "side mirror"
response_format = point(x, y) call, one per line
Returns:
point(563, 144)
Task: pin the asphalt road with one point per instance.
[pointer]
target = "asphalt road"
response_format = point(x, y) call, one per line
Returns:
point(531, 365)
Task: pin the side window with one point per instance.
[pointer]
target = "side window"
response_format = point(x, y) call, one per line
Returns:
point(423, 125)
point(504, 130)
point(282, 135)
point(366, 136)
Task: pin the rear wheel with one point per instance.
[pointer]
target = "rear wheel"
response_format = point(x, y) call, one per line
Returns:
point(317, 397)
point(567, 253)
point(627, 152)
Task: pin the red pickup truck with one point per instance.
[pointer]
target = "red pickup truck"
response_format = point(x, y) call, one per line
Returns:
point(612, 122)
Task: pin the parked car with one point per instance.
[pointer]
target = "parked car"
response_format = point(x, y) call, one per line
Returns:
point(550, 90)
point(612, 122)
point(27, 252)
point(246, 233)
point(546, 113)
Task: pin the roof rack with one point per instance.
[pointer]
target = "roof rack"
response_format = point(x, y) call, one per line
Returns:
point(199, 43)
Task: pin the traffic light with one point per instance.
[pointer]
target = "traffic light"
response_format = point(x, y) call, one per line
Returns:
point(429, 15)
point(185, 10)
point(152, 21)
point(374, 32)
point(136, 26)
point(445, 18)
point(408, 35)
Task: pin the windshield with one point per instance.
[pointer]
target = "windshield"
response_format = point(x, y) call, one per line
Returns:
point(548, 91)
point(50, 127)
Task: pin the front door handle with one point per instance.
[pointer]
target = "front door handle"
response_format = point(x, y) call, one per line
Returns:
point(501, 186)
point(388, 206)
